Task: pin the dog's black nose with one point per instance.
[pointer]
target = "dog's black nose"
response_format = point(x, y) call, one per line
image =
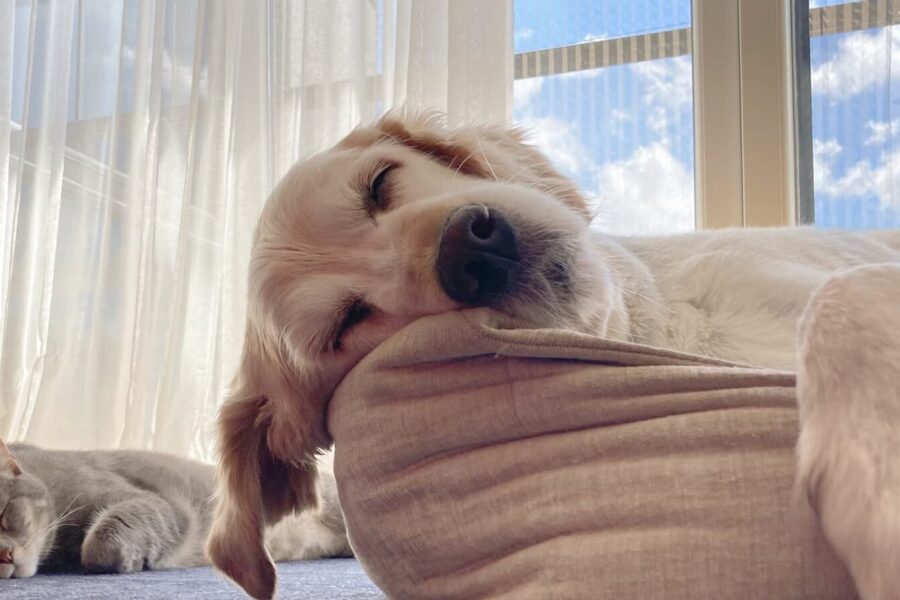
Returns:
point(477, 255)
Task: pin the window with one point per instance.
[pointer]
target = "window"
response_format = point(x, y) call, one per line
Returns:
point(672, 114)
point(606, 88)
point(855, 113)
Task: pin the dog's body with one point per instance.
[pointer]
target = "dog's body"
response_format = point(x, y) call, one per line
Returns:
point(736, 294)
point(407, 218)
point(848, 395)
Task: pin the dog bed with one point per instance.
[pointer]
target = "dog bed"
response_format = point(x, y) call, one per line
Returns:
point(476, 460)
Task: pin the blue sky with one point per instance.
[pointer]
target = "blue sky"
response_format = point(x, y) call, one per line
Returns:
point(855, 126)
point(625, 133)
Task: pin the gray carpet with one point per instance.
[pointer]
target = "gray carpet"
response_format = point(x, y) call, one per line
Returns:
point(332, 579)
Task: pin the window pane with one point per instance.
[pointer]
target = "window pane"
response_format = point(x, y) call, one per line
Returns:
point(854, 115)
point(542, 24)
point(615, 115)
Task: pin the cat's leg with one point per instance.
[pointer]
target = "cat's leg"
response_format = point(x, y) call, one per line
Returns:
point(133, 534)
point(6, 563)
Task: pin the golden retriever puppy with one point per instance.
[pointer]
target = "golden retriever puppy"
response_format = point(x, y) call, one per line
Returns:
point(407, 218)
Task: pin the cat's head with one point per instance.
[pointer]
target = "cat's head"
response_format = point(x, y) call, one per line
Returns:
point(26, 518)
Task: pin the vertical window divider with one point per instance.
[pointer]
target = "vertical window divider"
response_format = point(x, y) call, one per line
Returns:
point(744, 113)
point(804, 209)
point(767, 113)
point(718, 171)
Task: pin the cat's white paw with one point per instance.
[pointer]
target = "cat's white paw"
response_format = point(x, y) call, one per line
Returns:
point(17, 563)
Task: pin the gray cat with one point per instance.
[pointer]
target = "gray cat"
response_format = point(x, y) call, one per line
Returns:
point(120, 511)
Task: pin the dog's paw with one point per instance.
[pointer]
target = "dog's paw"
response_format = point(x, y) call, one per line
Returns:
point(848, 393)
point(106, 549)
point(858, 515)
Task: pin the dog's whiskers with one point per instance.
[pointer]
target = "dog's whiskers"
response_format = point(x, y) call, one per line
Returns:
point(511, 178)
point(484, 156)
point(462, 164)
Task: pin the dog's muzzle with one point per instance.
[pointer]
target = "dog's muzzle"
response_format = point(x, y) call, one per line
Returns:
point(478, 255)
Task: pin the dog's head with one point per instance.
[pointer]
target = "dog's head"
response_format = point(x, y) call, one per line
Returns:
point(399, 220)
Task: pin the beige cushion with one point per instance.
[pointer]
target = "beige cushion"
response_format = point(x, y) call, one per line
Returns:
point(474, 461)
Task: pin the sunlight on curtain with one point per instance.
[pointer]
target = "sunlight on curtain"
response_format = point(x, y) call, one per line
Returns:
point(606, 88)
point(138, 141)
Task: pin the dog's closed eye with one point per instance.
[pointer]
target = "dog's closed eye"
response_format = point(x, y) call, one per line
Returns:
point(355, 311)
point(378, 192)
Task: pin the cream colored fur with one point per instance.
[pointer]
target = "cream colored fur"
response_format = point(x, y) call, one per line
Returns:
point(849, 398)
point(738, 294)
point(734, 295)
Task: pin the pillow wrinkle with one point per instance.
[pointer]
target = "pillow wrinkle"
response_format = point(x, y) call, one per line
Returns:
point(549, 464)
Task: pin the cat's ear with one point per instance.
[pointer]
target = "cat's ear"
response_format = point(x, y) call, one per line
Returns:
point(269, 432)
point(8, 463)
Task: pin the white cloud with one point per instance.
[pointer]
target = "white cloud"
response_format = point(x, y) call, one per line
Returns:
point(825, 152)
point(863, 60)
point(650, 192)
point(858, 180)
point(880, 131)
point(593, 37)
point(559, 141)
point(525, 33)
point(525, 90)
point(620, 116)
point(826, 149)
point(669, 81)
point(555, 137)
point(884, 180)
point(669, 90)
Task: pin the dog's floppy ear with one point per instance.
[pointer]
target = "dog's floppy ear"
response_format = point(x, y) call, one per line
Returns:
point(268, 438)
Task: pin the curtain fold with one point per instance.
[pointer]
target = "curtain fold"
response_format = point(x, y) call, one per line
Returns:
point(138, 142)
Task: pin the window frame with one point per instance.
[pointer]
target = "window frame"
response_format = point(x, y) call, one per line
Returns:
point(753, 162)
point(744, 124)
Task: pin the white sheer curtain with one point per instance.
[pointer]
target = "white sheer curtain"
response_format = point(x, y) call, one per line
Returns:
point(138, 141)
